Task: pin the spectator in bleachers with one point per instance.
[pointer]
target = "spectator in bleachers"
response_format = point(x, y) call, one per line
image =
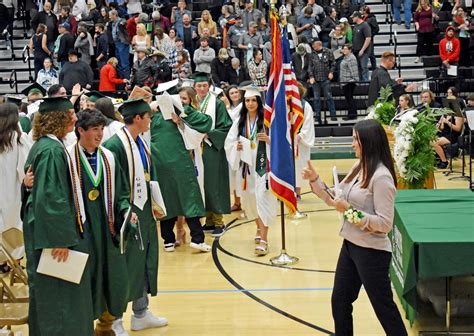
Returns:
point(103, 15)
point(213, 42)
point(250, 14)
point(470, 100)
point(133, 22)
point(301, 62)
point(38, 44)
point(235, 32)
point(464, 30)
point(257, 68)
point(188, 33)
point(79, 9)
point(64, 43)
point(48, 75)
point(75, 71)
point(371, 20)
point(84, 44)
point(134, 6)
point(65, 16)
point(264, 30)
point(92, 13)
point(117, 33)
point(162, 42)
point(226, 20)
point(424, 23)
point(172, 34)
point(428, 99)
point(179, 46)
point(250, 40)
point(381, 78)
point(321, 72)
point(163, 70)
point(203, 56)
point(237, 74)
point(182, 67)
point(144, 71)
point(220, 68)
point(108, 76)
point(207, 22)
point(346, 29)
point(102, 45)
point(318, 11)
point(306, 24)
point(49, 19)
point(337, 40)
point(160, 21)
point(361, 40)
point(177, 15)
point(449, 48)
point(140, 40)
point(397, 6)
point(349, 76)
point(329, 24)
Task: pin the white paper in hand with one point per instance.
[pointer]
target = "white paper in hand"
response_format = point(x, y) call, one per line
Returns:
point(165, 103)
point(246, 152)
point(177, 103)
point(453, 70)
point(70, 270)
point(337, 189)
point(166, 86)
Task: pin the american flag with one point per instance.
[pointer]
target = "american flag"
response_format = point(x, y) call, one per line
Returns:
point(278, 122)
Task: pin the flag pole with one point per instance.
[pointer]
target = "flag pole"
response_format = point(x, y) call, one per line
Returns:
point(284, 258)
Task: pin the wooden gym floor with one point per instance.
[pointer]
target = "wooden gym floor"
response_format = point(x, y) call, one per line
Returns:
point(230, 291)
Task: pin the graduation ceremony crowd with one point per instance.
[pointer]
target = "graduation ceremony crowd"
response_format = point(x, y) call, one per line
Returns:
point(83, 170)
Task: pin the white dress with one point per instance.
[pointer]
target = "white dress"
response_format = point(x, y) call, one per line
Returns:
point(257, 201)
point(234, 113)
point(12, 163)
point(305, 144)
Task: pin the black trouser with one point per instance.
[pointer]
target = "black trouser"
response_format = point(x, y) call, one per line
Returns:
point(424, 44)
point(197, 235)
point(349, 95)
point(369, 267)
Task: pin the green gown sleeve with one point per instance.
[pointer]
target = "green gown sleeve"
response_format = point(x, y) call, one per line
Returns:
point(222, 127)
point(200, 122)
point(53, 202)
point(25, 123)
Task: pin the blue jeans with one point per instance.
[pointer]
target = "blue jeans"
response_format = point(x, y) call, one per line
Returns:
point(358, 2)
point(397, 5)
point(326, 86)
point(363, 62)
point(121, 52)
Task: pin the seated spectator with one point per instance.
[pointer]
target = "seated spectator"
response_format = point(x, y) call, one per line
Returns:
point(207, 22)
point(306, 24)
point(349, 76)
point(144, 72)
point(48, 75)
point(64, 43)
point(204, 56)
point(470, 100)
point(220, 68)
point(182, 67)
point(328, 25)
point(257, 69)
point(84, 44)
point(301, 60)
point(237, 74)
point(75, 72)
point(450, 128)
point(428, 99)
point(449, 48)
point(108, 76)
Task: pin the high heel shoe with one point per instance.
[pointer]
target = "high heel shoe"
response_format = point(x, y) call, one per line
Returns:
point(180, 237)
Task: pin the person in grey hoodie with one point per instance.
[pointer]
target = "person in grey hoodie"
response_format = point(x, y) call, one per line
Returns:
point(204, 56)
point(84, 44)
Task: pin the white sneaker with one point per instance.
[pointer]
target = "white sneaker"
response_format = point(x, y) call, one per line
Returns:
point(169, 247)
point(201, 247)
point(118, 329)
point(147, 321)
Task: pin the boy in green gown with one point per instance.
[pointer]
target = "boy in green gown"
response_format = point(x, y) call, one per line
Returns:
point(52, 220)
point(216, 169)
point(176, 172)
point(132, 154)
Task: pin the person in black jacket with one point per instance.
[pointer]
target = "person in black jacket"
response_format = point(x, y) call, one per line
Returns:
point(144, 71)
point(102, 45)
point(163, 70)
point(48, 18)
point(78, 72)
point(329, 24)
point(220, 68)
point(301, 61)
point(237, 74)
point(374, 29)
point(66, 43)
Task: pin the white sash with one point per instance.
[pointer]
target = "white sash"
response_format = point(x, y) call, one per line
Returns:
point(138, 182)
point(211, 109)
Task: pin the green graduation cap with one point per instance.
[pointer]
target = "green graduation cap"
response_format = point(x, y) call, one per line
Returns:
point(54, 104)
point(200, 77)
point(34, 88)
point(133, 107)
point(94, 96)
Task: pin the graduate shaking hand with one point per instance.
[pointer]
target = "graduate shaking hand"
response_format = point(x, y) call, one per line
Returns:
point(60, 254)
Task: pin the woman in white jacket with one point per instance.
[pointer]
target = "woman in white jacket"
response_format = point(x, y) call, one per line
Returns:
point(246, 148)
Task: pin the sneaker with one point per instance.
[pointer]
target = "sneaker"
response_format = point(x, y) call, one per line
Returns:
point(169, 247)
point(208, 228)
point(147, 321)
point(218, 231)
point(118, 329)
point(203, 247)
point(442, 165)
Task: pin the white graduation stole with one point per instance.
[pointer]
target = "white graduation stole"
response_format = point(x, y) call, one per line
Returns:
point(135, 168)
point(208, 106)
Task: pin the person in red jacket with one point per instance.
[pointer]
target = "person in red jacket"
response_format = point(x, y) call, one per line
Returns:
point(449, 48)
point(108, 76)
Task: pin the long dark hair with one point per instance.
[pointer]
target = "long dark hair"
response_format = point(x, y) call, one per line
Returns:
point(244, 112)
point(8, 126)
point(227, 93)
point(374, 149)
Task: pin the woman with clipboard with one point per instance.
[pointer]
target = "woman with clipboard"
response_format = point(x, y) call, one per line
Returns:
point(366, 199)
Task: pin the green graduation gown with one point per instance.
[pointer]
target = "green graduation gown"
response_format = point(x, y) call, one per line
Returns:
point(108, 267)
point(174, 166)
point(216, 168)
point(25, 123)
point(57, 307)
point(142, 265)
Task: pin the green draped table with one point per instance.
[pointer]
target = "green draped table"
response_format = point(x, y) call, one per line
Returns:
point(433, 236)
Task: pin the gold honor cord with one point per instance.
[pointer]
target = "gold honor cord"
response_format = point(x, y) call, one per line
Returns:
point(132, 181)
point(110, 216)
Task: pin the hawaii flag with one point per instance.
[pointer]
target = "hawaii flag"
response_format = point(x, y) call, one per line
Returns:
point(278, 122)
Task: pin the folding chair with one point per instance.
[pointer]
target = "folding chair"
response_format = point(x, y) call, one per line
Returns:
point(13, 248)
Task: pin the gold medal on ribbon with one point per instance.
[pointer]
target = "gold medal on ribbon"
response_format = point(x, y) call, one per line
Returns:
point(93, 194)
point(253, 145)
point(147, 176)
